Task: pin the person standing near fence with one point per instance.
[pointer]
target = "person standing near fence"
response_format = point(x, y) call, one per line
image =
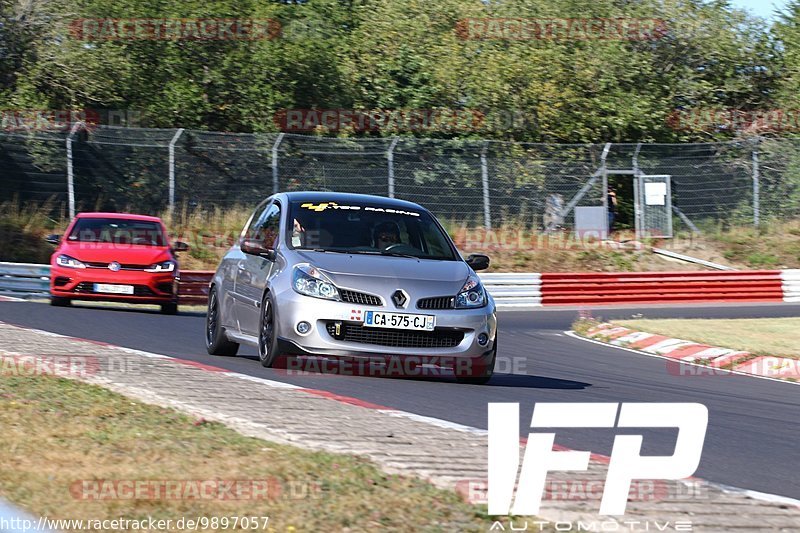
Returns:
point(612, 208)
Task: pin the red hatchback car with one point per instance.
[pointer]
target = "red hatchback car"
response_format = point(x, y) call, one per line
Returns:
point(115, 257)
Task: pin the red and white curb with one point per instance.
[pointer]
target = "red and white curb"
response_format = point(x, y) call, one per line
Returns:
point(790, 282)
point(693, 352)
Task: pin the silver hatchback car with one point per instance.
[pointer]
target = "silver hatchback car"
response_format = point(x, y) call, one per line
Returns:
point(338, 275)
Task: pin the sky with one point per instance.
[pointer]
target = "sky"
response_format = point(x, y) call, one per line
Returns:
point(762, 8)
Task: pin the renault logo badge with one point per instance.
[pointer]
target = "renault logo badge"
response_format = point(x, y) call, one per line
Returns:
point(400, 298)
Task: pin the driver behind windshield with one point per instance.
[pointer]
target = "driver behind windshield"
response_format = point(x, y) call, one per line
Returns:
point(385, 235)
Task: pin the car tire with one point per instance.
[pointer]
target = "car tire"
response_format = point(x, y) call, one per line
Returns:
point(267, 338)
point(58, 301)
point(216, 341)
point(169, 309)
point(480, 372)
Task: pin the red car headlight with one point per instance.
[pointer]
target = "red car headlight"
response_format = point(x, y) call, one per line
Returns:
point(166, 266)
point(69, 262)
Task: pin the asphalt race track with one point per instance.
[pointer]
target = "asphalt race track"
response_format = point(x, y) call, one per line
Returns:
point(753, 429)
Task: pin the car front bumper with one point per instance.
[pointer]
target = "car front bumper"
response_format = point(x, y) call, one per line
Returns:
point(463, 324)
point(78, 284)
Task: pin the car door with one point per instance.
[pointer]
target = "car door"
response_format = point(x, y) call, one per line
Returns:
point(254, 270)
point(234, 260)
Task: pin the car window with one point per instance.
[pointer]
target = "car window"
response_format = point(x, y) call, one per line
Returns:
point(270, 227)
point(118, 231)
point(266, 226)
point(435, 241)
point(251, 232)
point(367, 228)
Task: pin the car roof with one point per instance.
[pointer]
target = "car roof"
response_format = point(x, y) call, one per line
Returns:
point(344, 197)
point(122, 216)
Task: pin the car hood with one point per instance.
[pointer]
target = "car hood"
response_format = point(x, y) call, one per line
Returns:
point(387, 267)
point(383, 275)
point(107, 252)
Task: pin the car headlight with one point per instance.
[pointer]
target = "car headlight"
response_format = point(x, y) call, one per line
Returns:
point(69, 262)
point(308, 280)
point(471, 294)
point(166, 266)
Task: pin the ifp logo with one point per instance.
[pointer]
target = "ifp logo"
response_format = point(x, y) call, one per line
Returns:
point(626, 464)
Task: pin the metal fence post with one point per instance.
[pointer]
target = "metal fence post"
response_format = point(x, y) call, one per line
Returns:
point(635, 160)
point(604, 175)
point(172, 170)
point(487, 215)
point(390, 163)
point(275, 176)
point(637, 193)
point(70, 174)
point(756, 186)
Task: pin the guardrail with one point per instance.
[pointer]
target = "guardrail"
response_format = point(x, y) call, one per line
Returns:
point(517, 290)
point(28, 279)
point(790, 282)
point(24, 278)
point(514, 290)
point(661, 287)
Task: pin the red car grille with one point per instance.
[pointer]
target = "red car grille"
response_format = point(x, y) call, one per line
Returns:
point(87, 287)
point(123, 266)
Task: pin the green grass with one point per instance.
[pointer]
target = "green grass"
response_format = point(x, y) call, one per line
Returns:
point(56, 432)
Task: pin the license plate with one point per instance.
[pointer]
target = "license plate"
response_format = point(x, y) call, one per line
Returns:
point(113, 289)
point(377, 319)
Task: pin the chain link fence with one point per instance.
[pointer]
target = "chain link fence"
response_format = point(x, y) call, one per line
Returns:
point(480, 183)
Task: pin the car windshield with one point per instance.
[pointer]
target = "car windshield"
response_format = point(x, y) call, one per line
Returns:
point(118, 231)
point(367, 228)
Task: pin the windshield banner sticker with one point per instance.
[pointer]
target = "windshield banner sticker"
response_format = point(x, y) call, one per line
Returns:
point(333, 205)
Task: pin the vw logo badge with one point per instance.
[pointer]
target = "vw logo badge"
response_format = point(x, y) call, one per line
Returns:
point(114, 266)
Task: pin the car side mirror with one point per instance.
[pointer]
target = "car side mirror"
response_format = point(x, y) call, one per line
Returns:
point(478, 261)
point(53, 239)
point(179, 246)
point(256, 247)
